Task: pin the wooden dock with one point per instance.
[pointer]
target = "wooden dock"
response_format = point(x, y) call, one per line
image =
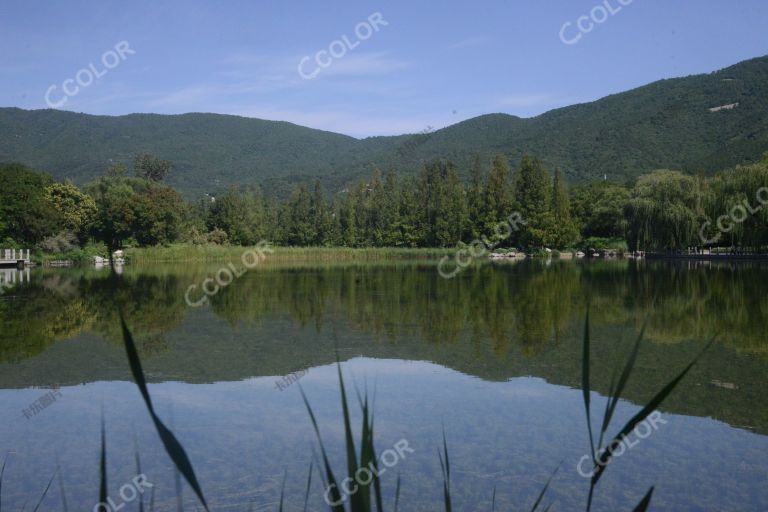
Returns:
point(18, 258)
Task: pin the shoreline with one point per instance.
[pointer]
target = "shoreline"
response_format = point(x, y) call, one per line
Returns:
point(708, 257)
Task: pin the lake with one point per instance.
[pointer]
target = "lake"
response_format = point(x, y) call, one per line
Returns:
point(492, 357)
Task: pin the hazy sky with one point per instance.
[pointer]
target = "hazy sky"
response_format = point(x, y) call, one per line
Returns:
point(422, 64)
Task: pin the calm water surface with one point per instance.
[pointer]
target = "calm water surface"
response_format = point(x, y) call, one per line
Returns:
point(493, 356)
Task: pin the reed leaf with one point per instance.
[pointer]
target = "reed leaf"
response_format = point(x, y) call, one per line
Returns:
point(651, 406)
point(282, 491)
point(357, 499)
point(397, 493)
point(368, 458)
point(366, 454)
point(585, 386)
point(138, 470)
point(179, 491)
point(103, 489)
point(546, 487)
point(330, 479)
point(309, 484)
point(152, 499)
point(645, 502)
point(2, 472)
point(37, 507)
point(64, 505)
point(172, 446)
point(615, 395)
point(445, 468)
point(375, 463)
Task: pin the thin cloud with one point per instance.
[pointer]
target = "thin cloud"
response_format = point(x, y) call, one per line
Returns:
point(363, 65)
point(207, 95)
point(470, 42)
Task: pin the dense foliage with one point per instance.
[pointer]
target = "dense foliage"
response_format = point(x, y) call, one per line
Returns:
point(25, 212)
point(663, 210)
point(672, 124)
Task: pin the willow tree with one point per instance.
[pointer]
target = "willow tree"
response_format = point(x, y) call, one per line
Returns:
point(737, 207)
point(664, 212)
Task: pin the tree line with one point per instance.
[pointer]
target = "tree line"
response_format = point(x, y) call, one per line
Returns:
point(663, 210)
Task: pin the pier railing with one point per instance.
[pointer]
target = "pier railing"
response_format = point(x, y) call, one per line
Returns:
point(14, 256)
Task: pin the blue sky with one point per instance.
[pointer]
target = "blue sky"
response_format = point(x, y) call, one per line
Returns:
point(432, 64)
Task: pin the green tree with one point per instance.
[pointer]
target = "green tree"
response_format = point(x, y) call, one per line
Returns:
point(736, 205)
point(498, 194)
point(348, 217)
point(533, 194)
point(598, 209)
point(476, 205)
point(134, 208)
point(664, 212)
point(159, 212)
point(564, 231)
point(26, 215)
point(116, 210)
point(390, 210)
point(321, 216)
point(409, 226)
point(442, 214)
point(300, 222)
point(239, 212)
point(75, 208)
point(150, 167)
point(373, 200)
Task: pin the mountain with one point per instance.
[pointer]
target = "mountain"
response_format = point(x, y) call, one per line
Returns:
point(699, 123)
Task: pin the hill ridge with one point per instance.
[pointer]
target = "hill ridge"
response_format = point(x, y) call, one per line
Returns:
point(664, 124)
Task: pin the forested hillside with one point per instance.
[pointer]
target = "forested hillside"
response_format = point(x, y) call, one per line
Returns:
point(697, 124)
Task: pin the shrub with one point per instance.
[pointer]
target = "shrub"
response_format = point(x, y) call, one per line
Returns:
point(603, 244)
point(218, 237)
point(61, 242)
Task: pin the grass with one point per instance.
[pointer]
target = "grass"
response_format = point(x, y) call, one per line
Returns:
point(360, 500)
point(78, 255)
point(214, 253)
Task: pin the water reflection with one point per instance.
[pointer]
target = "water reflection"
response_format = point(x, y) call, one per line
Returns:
point(526, 305)
point(516, 327)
